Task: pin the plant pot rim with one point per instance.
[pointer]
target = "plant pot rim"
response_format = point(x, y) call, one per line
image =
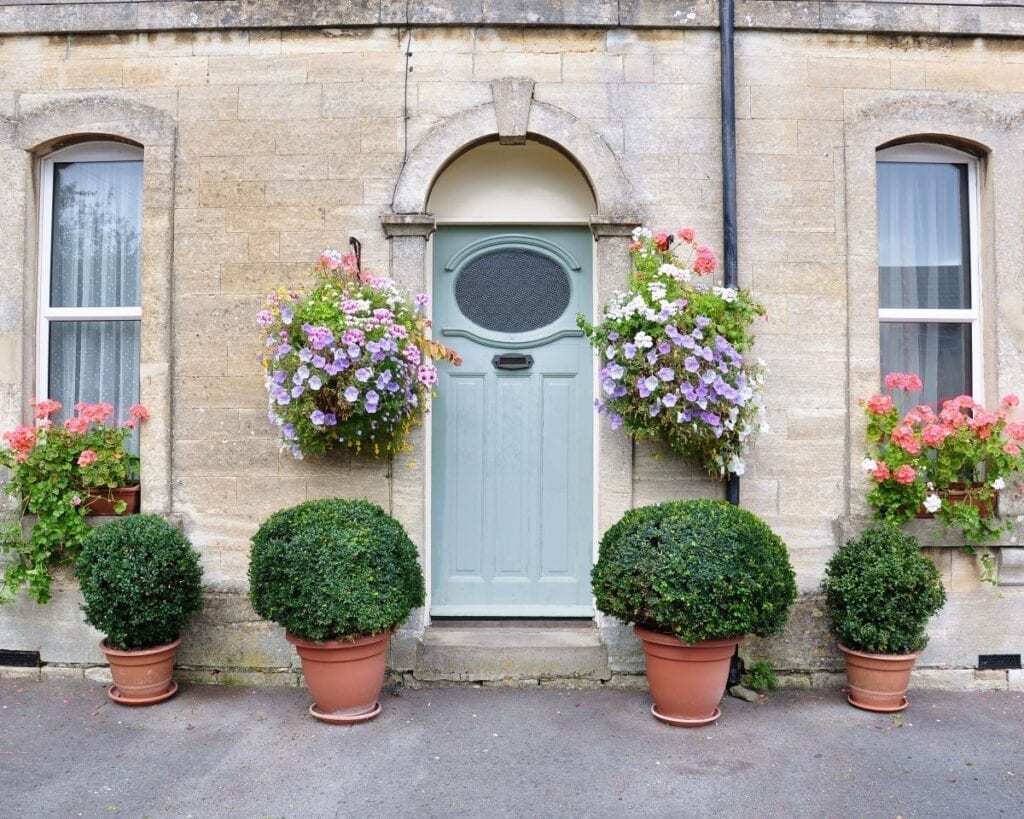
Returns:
point(360, 640)
point(895, 657)
point(137, 652)
point(131, 488)
point(653, 636)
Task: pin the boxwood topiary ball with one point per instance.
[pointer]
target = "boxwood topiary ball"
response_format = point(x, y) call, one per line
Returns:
point(141, 581)
point(334, 569)
point(697, 569)
point(880, 592)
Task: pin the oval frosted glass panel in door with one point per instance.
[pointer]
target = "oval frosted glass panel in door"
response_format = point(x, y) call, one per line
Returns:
point(97, 218)
point(512, 291)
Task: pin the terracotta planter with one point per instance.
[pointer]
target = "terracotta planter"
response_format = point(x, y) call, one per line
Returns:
point(105, 504)
point(878, 682)
point(687, 681)
point(963, 493)
point(142, 676)
point(344, 677)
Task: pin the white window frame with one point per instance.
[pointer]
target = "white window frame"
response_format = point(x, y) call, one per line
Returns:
point(940, 154)
point(82, 152)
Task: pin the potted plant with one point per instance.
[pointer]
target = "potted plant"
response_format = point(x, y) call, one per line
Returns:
point(676, 354)
point(949, 464)
point(694, 577)
point(348, 364)
point(62, 472)
point(339, 575)
point(141, 581)
point(880, 592)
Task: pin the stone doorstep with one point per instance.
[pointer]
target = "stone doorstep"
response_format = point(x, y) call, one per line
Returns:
point(499, 653)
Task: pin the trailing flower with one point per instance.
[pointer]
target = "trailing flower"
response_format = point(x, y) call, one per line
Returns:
point(349, 363)
point(951, 463)
point(56, 467)
point(676, 357)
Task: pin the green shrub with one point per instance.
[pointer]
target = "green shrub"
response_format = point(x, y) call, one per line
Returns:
point(880, 591)
point(334, 569)
point(698, 569)
point(761, 676)
point(141, 580)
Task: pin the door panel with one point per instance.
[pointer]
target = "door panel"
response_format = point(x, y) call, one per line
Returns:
point(512, 451)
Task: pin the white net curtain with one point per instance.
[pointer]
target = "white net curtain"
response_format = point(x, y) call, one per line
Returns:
point(97, 217)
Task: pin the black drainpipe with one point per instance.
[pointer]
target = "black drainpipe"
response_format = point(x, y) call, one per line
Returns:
point(725, 19)
point(725, 12)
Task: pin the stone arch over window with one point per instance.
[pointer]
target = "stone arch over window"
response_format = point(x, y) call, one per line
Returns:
point(991, 136)
point(25, 141)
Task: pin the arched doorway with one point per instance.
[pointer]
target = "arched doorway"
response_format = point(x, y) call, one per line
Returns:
point(512, 431)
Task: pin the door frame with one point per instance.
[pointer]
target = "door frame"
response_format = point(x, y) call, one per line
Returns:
point(428, 493)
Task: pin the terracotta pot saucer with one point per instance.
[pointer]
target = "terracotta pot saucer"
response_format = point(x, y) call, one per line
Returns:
point(903, 704)
point(117, 697)
point(687, 723)
point(345, 719)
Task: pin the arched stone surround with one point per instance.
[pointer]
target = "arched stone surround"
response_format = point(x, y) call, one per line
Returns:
point(41, 130)
point(511, 117)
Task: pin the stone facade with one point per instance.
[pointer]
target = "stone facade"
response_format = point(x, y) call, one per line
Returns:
point(266, 141)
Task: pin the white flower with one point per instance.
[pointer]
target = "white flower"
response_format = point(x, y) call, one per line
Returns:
point(658, 290)
point(868, 465)
point(726, 294)
point(674, 272)
point(736, 465)
point(640, 233)
point(932, 503)
point(643, 341)
point(998, 484)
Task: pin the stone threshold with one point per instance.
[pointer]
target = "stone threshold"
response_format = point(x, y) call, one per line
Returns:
point(499, 651)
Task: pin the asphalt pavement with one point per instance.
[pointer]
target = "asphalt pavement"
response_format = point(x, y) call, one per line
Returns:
point(211, 751)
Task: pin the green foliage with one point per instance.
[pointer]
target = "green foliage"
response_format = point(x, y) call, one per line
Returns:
point(952, 463)
point(760, 676)
point(334, 569)
point(53, 482)
point(348, 363)
point(698, 569)
point(880, 592)
point(141, 580)
point(675, 353)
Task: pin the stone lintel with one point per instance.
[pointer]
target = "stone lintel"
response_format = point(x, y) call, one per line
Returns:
point(408, 224)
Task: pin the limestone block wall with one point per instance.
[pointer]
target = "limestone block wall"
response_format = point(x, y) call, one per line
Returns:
point(274, 143)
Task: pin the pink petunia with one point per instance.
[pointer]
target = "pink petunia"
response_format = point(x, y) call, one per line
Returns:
point(879, 404)
point(21, 439)
point(78, 426)
point(46, 408)
point(905, 474)
point(935, 434)
point(96, 413)
point(880, 473)
point(1010, 400)
point(705, 262)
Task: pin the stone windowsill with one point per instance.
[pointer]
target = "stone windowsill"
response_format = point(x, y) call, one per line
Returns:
point(1008, 550)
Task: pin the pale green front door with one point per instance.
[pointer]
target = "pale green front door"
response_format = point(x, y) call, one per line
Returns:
point(512, 477)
